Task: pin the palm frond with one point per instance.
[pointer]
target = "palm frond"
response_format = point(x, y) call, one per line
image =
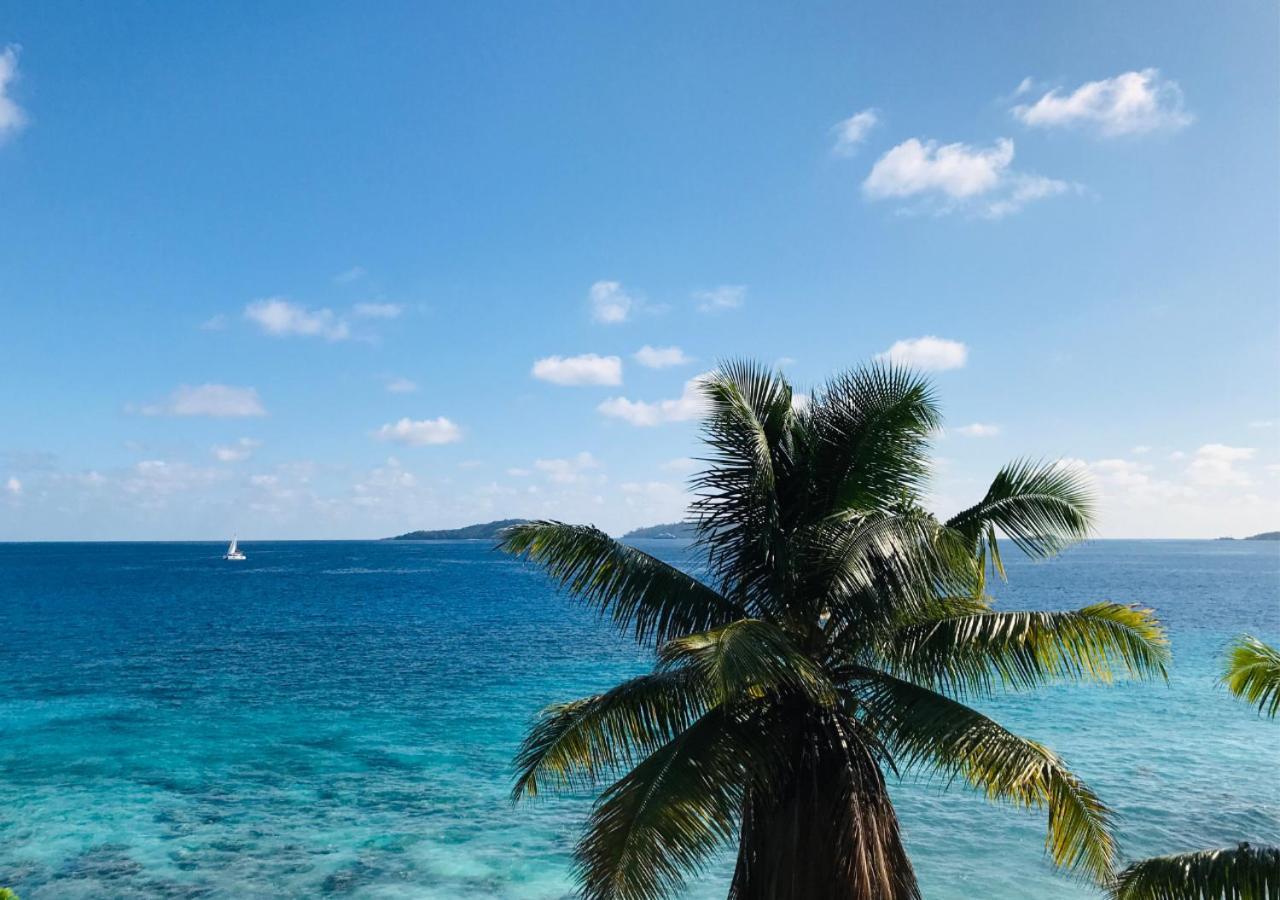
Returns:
point(1253, 673)
point(574, 745)
point(736, 504)
point(747, 658)
point(665, 818)
point(975, 652)
point(927, 730)
point(873, 425)
point(653, 599)
point(1041, 507)
point(1245, 872)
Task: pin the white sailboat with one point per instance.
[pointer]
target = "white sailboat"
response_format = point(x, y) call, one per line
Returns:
point(233, 551)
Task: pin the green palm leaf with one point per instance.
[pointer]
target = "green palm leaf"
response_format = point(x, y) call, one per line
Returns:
point(573, 745)
point(653, 599)
point(926, 729)
point(973, 652)
point(1041, 507)
point(1253, 673)
point(1240, 873)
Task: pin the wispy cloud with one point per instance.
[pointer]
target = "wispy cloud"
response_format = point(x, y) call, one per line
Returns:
point(1128, 104)
point(572, 470)
point(1214, 465)
point(610, 304)
point(13, 486)
point(421, 432)
point(401, 386)
point(587, 369)
point(978, 430)
point(213, 400)
point(718, 299)
point(958, 177)
point(851, 132)
point(282, 318)
point(933, 354)
point(378, 310)
point(691, 404)
point(237, 452)
point(661, 357)
point(12, 117)
point(355, 273)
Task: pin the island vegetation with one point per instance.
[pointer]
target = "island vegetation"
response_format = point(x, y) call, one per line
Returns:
point(838, 634)
point(670, 531)
point(486, 531)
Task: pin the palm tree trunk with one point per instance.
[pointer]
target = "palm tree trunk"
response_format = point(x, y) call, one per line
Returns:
point(832, 833)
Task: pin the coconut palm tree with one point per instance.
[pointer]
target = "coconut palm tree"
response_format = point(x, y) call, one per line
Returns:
point(1244, 872)
point(831, 637)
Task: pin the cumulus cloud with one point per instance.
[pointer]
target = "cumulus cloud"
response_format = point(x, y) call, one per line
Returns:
point(691, 404)
point(1214, 465)
point(12, 118)
point(401, 386)
point(378, 310)
point(1128, 104)
point(237, 452)
point(953, 177)
point(978, 430)
point(933, 354)
point(586, 369)
point(420, 432)
point(610, 304)
point(13, 486)
point(851, 132)
point(718, 299)
point(282, 318)
point(573, 470)
point(660, 357)
point(214, 400)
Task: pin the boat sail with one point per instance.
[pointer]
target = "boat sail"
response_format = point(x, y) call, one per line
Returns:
point(233, 551)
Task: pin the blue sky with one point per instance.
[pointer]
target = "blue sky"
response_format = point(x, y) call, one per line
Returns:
point(320, 270)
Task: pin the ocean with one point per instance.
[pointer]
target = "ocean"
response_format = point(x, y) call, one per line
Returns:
point(339, 719)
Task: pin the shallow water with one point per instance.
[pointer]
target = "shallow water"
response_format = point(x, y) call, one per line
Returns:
point(339, 718)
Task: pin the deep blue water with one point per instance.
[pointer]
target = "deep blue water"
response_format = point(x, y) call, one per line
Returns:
point(339, 718)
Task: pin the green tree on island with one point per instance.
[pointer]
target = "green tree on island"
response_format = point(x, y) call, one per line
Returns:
point(831, 638)
point(1244, 872)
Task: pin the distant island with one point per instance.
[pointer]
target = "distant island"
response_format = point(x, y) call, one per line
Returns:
point(488, 531)
point(672, 531)
point(1263, 536)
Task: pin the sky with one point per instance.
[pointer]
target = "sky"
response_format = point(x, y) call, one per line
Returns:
point(324, 270)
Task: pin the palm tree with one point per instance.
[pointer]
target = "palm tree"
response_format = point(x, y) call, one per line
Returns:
point(830, 638)
point(1244, 872)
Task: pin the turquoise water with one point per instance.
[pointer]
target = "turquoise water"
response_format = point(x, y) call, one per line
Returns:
point(339, 718)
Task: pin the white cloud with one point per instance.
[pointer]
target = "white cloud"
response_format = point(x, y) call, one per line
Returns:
point(726, 296)
point(355, 273)
point(610, 303)
point(587, 369)
point(517, 472)
point(1130, 103)
point(237, 452)
point(12, 117)
point(378, 310)
point(1262, 423)
point(421, 432)
point(851, 132)
point(280, 317)
point(1214, 465)
point(660, 357)
point(978, 430)
point(681, 465)
point(569, 471)
point(1140, 450)
point(215, 400)
point(13, 486)
point(214, 323)
point(958, 176)
point(691, 404)
point(933, 354)
point(401, 386)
